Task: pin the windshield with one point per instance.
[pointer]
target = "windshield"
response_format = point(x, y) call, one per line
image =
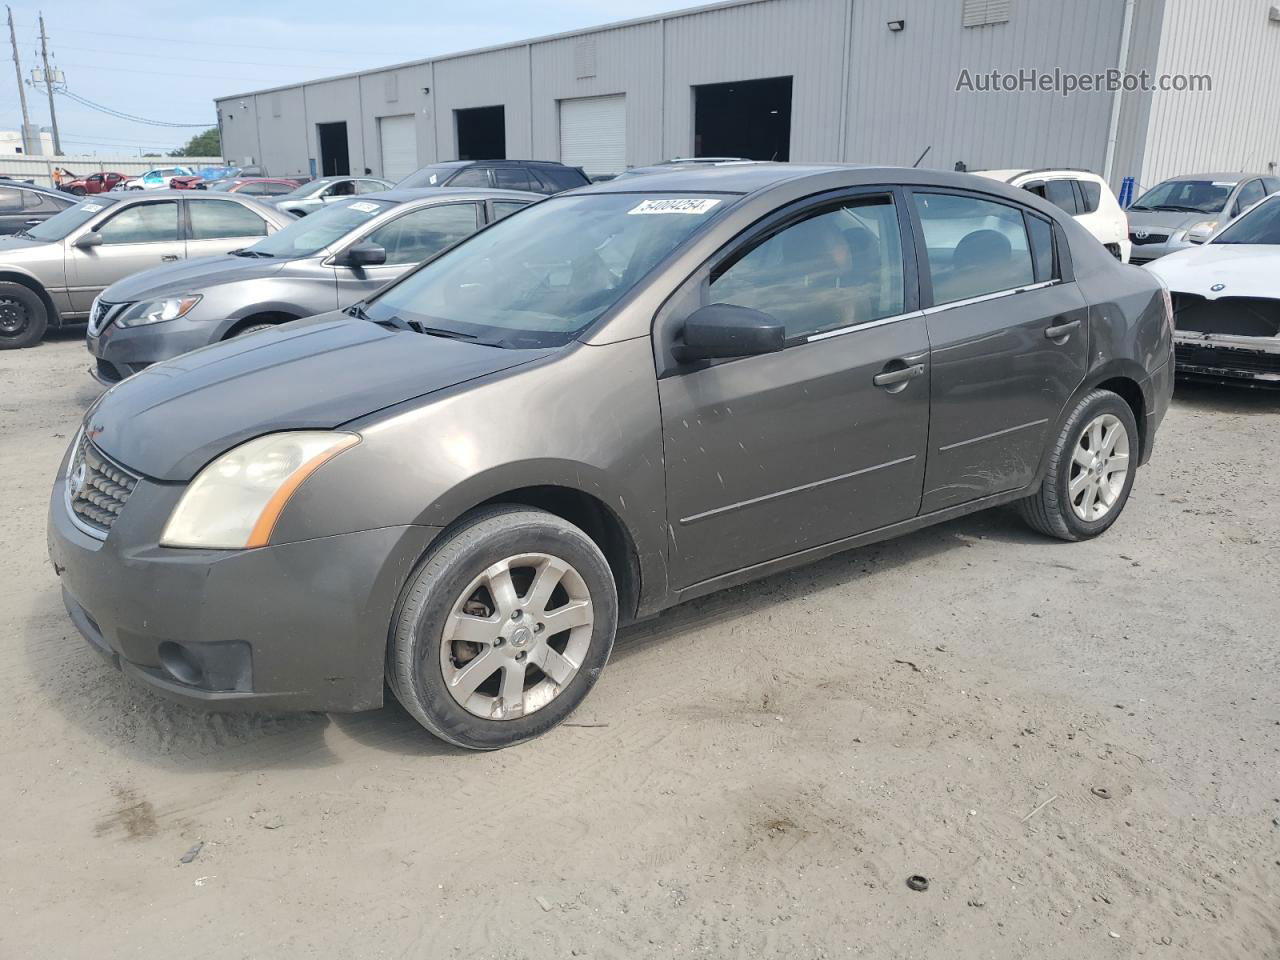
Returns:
point(306, 189)
point(312, 234)
point(428, 177)
point(541, 278)
point(1259, 225)
point(1186, 196)
point(59, 225)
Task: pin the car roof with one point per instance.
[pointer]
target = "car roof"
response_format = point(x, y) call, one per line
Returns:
point(405, 194)
point(1008, 176)
point(1234, 177)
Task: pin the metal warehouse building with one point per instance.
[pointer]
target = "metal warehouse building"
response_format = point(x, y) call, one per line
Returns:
point(859, 81)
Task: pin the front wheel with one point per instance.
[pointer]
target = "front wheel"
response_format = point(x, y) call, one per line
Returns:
point(1091, 470)
point(504, 629)
point(77, 191)
point(23, 316)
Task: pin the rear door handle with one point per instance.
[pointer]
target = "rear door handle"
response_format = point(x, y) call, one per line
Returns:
point(1060, 331)
point(169, 257)
point(898, 376)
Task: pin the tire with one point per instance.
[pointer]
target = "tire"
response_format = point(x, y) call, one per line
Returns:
point(252, 328)
point(23, 316)
point(424, 670)
point(1101, 493)
point(77, 191)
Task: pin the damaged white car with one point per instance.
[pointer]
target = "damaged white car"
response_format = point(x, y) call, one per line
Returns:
point(1226, 300)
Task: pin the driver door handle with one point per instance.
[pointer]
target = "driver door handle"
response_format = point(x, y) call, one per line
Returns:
point(901, 375)
point(169, 258)
point(1060, 331)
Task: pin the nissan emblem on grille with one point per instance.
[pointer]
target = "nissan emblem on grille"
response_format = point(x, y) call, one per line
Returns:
point(97, 489)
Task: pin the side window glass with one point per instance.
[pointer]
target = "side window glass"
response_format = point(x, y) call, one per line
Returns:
point(143, 223)
point(369, 186)
point(504, 208)
point(837, 268)
point(10, 200)
point(424, 233)
point(1250, 194)
point(1061, 194)
point(1041, 233)
point(471, 177)
point(974, 246)
point(512, 178)
point(1092, 193)
point(216, 219)
point(1036, 187)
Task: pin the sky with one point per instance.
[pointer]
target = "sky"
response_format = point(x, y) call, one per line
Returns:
point(144, 60)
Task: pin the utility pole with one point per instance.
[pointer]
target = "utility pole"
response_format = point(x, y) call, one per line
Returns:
point(48, 85)
point(27, 145)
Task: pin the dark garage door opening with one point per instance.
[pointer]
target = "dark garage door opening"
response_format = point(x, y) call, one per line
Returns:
point(749, 119)
point(482, 133)
point(334, 160)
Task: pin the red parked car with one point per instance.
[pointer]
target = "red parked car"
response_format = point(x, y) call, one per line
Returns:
point(256, 186)
point(93, 183)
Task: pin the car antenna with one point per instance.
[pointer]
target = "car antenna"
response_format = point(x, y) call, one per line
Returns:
point(922, 156)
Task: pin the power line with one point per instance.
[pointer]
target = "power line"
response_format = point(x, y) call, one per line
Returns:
point(185, 59)
point(229, 43)
point(121, 115)
point(160, 73)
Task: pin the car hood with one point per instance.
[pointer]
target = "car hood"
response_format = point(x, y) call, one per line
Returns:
point(1242, 270)
point(190, 276)
point(22, 250)
point(174, 417)
point(1170, 220)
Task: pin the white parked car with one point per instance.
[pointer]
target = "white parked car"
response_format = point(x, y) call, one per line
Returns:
point(1226, 300)
point(1082, 194)
point(158, 178)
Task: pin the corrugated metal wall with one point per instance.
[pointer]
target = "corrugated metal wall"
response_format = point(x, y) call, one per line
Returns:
point(1236, 126)
point(861, 92)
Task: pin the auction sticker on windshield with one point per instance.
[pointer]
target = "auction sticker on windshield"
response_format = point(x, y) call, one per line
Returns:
point(365, 206)
point(689, 205)
point(92, 207)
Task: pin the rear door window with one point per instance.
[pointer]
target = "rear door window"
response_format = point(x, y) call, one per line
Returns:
point(1061, 194)
point(973, 246)
point(1091, 191)
point(217, 219)
point(561, 178)
point(504, 208)
point(512, 178)
point(143, 223)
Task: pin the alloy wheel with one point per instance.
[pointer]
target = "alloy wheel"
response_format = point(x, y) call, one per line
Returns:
point(516, 636)
point(1099, 467)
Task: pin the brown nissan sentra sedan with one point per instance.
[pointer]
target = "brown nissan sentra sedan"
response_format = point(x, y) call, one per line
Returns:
point(615, 400)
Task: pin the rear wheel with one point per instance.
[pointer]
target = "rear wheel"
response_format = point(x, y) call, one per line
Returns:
point(23, 316)
point(1091, 470)
point(504, 629)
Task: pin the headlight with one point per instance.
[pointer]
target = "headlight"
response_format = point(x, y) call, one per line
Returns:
point(157, 311)
point(234, 502)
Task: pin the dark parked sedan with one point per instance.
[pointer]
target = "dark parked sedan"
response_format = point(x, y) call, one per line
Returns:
point(618, 399)
point(23, 206)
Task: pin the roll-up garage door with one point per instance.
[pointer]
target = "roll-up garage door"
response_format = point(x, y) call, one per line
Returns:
point(593, 134)
point(399, 139)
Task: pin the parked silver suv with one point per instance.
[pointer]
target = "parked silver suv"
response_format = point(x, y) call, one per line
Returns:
point(327, 261)
point(314, 194)
point(50, 273)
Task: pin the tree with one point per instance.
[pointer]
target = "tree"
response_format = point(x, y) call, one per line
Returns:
point(207, 144)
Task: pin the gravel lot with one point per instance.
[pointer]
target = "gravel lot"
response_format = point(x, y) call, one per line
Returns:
point(1079, 746)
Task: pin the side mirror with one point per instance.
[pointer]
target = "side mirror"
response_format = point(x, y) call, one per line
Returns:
point(363, 255)
point(721, 330)
point(87, 240)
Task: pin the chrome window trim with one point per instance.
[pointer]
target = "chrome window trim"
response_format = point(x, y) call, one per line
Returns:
point(995, 295)
point(841, 331)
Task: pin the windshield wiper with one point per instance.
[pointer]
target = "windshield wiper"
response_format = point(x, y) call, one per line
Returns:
point(1177, 208)
point(417, 327)
point(246, 252)
point(23, 233)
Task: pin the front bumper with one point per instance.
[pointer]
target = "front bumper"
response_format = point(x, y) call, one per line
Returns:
point(1251, 361)
point(120, 352)
point(297, 626)
point(1142, 252)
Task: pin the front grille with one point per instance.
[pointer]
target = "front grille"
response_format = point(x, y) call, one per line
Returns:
point(1245, 361)
point(97, 488)
point(1238, 316)
point(98, 314)
point(1149, 238)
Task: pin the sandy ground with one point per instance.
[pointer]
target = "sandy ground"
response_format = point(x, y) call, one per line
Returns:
point(1078, 745)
